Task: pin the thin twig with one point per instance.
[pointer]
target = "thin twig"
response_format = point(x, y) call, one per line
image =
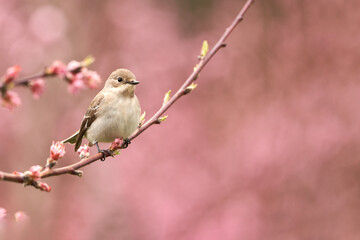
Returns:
point(25, 81)
point(193, 76)
point(71, 169)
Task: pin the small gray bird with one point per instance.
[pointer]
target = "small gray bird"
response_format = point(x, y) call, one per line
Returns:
point(113, 113)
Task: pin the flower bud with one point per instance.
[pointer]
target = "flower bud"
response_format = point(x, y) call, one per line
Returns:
point(44, 187)
point(34, 172)
point(10, 100)
point(74, 66)
point(83, 151)
point(11, 73)
point(57, 150)
point(115, 144)
point(37, 87)
point(76, 83)
point(56, 68)
point(92, 79)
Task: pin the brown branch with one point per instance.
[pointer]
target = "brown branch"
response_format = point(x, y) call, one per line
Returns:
point(183, 90)
point(57, 68)
point(25, 81)
point(193, 76)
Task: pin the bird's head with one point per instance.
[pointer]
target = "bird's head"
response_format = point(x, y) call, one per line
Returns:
point(122, 80)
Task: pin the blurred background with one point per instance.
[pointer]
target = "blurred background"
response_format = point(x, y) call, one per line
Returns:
point(266, 147)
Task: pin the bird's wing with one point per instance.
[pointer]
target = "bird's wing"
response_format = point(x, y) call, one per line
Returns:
point(89, 118)
point(71, 139)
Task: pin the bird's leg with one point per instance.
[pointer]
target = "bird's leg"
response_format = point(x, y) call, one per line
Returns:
point(126, 142)
point(103, 151)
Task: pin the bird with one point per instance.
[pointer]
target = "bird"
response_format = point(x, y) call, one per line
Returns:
point(113, 113)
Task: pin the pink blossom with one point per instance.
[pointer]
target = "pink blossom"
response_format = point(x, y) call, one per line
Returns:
point(73, 66)
point(37, 87)
point(11, 73)
point(17, 173)
point(56, 68)
point(82, 79)
point(115, 144)
point(83, 151)
point(10, 100)
point(57, 150)
point(76, 83)
point(44, 187)
point(117, 141)
point(2, 213)
point(34, 172)
point(92, 79)
point(20, 216)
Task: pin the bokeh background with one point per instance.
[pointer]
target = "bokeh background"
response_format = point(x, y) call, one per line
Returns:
point(266, 147)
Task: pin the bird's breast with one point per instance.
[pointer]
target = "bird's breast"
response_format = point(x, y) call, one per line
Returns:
point(118, 118)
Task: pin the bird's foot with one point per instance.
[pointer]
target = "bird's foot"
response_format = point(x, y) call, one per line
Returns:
point(126, 142)
point(104, 152)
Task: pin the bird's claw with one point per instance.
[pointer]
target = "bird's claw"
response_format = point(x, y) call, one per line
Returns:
point(104, 153)
point(126, 143)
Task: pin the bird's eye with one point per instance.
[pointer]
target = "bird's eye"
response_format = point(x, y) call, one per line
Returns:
point(119, 79)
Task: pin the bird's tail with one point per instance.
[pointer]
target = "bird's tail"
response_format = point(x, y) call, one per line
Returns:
point(72, 139)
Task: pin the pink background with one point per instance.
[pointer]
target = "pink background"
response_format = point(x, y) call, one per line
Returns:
point(267, 146)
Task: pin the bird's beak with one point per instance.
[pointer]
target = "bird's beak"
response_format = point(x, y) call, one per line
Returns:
point(134, 82)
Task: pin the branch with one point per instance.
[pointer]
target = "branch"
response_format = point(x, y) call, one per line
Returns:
point(26, 80)
point(157, 118)
point(75, 73)
point(191, 79)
